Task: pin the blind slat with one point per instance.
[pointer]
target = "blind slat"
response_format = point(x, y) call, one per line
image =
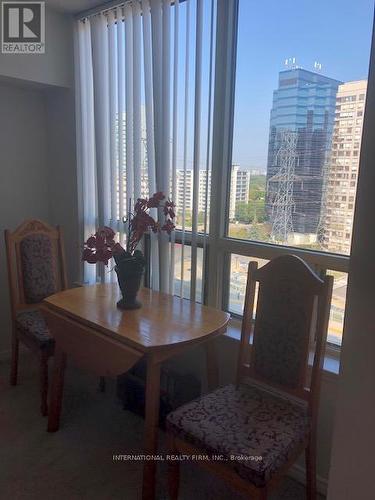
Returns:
point(185, 147)
point(197, 144)
point(121, 116)
point(174, 136)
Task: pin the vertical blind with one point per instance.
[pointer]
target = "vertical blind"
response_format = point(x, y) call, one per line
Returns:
point(144, 81)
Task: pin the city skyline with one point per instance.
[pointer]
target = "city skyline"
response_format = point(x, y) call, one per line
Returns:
point(276, 31)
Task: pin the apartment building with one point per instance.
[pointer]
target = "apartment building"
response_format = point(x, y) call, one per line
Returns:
point(239, 189)
point(341, 184)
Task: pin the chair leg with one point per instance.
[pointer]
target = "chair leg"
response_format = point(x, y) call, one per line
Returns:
point(173, 470)
point(44, 384)
point(14, 361)
point(310, 458)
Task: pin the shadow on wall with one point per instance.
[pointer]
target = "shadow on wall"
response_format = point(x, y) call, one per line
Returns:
point(38, 173)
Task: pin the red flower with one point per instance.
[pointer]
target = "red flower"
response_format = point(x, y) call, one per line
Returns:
point(102, 246)
point(101, 255)
point(100, 242)
point(91, 242)
point(92, 259)
point(87, 253)
point(109, 232)
point(169, 209)
point(141, 204)
point(155, 200)
point(168, 226)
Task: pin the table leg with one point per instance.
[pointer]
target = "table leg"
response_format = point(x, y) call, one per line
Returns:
point(57, 387)
point(151, 428)
point(212, 370)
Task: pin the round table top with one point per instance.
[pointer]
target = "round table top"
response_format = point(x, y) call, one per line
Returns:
point(163, 320)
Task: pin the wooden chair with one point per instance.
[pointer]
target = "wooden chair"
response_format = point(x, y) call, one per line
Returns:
point(270, 412)
point(36, 269)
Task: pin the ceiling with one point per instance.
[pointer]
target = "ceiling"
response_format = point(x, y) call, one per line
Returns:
point(74, 6)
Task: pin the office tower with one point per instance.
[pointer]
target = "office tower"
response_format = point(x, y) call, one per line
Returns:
point(301, 125)
point(342, 174)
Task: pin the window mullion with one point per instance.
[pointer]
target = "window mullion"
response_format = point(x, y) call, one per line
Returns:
point(223, 114)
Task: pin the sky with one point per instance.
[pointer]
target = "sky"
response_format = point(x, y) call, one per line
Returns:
point(336, 33)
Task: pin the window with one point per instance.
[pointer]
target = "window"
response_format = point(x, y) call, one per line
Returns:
point(182, 271)
point(237, 284)
point(336, 318)
point(287, 181)
point(291, 158)
point(238, 276)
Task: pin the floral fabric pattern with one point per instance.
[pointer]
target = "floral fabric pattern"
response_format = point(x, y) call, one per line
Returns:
point(240, 423)
point(32, 324)
point(282, 331)
point(37, 268)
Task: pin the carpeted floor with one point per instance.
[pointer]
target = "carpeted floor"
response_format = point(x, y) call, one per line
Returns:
point(77, 461)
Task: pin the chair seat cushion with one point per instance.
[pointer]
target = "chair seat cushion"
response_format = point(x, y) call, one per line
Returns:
point(33, 325)
point(255, 431)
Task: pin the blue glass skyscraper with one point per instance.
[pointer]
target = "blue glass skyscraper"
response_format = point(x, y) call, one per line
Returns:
point(301, 126)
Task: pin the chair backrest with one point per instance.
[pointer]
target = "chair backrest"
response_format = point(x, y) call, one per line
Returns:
point(36, 263)
point(292, 307)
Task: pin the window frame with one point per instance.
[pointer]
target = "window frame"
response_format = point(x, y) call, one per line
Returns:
point(221, 246)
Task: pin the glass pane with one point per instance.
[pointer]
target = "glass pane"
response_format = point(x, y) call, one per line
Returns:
point(238, 278)
point(237, 290)
point(189, 164)
point(182, 271)
point(336, 318)
point(298, 122)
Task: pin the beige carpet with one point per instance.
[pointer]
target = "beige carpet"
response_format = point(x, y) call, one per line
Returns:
point(76, 462)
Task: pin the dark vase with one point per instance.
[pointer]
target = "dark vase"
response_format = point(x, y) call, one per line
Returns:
point(129, 269)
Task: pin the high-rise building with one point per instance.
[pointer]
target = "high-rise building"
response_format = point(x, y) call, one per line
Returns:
point(204, 192)
point(342, 174)
point(301, 126)
point(239, 191)
point(242, 184)
point(184, 190)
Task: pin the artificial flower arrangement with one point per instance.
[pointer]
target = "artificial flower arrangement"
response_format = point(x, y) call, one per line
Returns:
point(130, 262)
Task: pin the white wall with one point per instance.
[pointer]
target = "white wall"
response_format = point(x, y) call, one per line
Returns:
point(37, 147)
point(52, 68)
point(62, 171)
point(23, 174)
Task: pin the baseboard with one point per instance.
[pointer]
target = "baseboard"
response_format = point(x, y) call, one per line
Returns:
point(297, 472)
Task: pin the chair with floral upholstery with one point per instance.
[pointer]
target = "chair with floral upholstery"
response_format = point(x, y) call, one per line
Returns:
point(36, 269)
point(255, 430)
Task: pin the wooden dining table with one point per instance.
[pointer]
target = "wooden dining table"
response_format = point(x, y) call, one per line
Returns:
point(95, 335)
